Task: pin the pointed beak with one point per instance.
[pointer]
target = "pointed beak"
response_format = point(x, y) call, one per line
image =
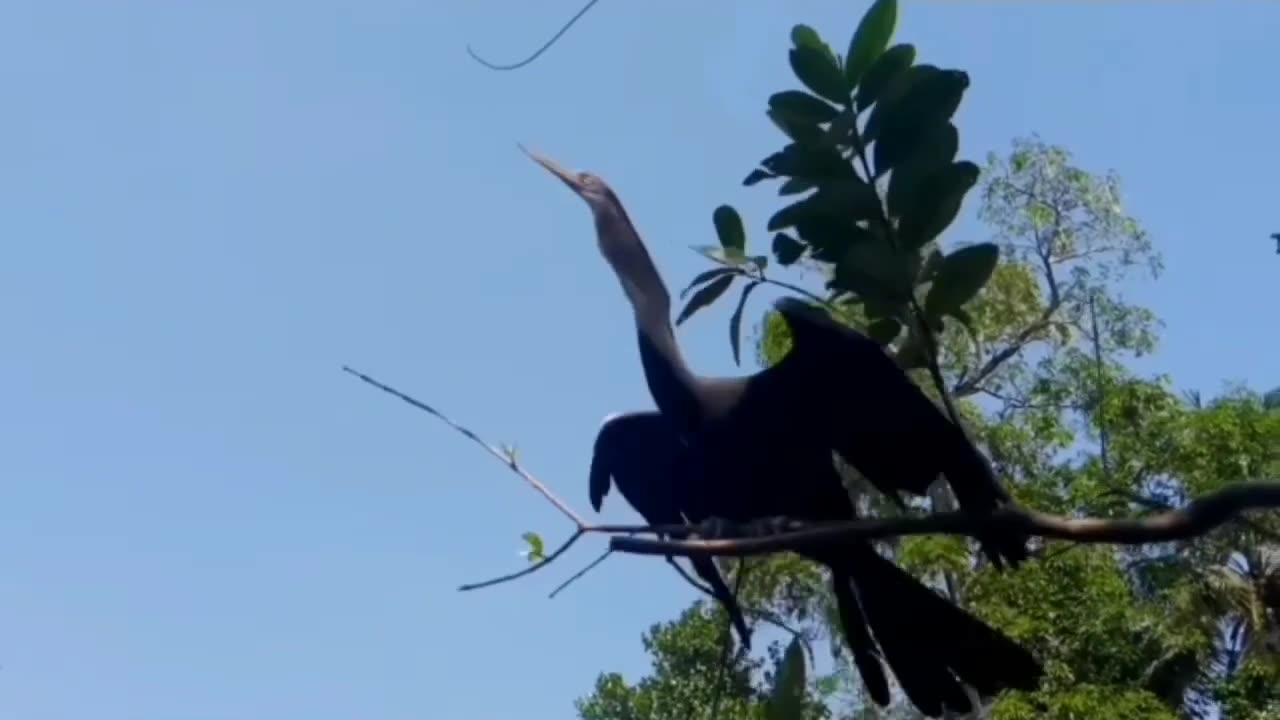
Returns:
point(568, 178)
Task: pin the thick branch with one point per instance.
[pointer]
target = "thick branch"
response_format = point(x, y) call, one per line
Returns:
point(1197, 518)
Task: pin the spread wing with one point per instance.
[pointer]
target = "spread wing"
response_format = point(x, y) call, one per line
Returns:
point(636, 451)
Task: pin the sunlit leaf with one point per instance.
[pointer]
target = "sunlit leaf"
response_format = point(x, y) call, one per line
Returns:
point(536, 551)
point(730, 257)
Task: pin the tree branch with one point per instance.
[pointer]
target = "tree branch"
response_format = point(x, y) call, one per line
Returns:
point(532, 568)
point(505, 457)
point(574, 577)
point(1197, 518)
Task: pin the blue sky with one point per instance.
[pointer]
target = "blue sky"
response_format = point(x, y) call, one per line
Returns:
point(208, 208)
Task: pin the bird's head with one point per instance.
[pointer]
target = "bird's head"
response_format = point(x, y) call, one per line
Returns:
point(594, 191)
point(618, 241)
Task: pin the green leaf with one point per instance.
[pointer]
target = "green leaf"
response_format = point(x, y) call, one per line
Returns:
point(935, 149)
point(729, 228)
point(870, 39)
point(814, 162)
point(962, 275)
point(706, 295)
point(707, 276)
point(729, 257)
point(875, 271)
point(936, 204)
point(898, 87)
point(889, 65)
point(786, 702)
point(786, 249)
point(795, 186)
point(802, 106)
point(802, 35)
point(795, 128)
point(829, 238)
point(735, 321)
point(926, 102)
point(884, 330)
point(846, 200)
point(537, 549)
point(756, 176)
point(805, 36)
point(820, 73)
point(843, 130)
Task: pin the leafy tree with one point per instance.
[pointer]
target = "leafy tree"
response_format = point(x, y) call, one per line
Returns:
point(1027, 337)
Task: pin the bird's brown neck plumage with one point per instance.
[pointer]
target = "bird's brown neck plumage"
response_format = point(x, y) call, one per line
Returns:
point(671, 383)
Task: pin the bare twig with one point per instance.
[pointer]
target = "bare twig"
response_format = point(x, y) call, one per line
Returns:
point(573, 578)
point(505, 457)
point(1197, 518)
point(532, 568)
point(545, 46)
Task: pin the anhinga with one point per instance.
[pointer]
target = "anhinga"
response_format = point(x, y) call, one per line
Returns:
point(638, 451)
point(761, 446)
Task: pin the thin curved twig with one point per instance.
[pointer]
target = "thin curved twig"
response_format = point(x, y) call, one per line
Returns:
point(576, 576)
point(532, 568)
point(537, 53)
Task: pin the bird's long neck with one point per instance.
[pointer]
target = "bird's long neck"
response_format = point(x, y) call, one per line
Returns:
point(673, 386)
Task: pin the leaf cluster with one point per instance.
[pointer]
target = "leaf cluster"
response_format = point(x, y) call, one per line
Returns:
point(872, 178)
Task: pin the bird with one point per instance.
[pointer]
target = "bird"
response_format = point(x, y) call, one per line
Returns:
point(637, 452)
point(760, 446)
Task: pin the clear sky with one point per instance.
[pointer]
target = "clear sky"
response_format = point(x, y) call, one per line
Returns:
point(208, 208)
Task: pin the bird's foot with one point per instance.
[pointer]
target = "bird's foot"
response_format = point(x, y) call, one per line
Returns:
point(716, 528)
point(771, 525)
